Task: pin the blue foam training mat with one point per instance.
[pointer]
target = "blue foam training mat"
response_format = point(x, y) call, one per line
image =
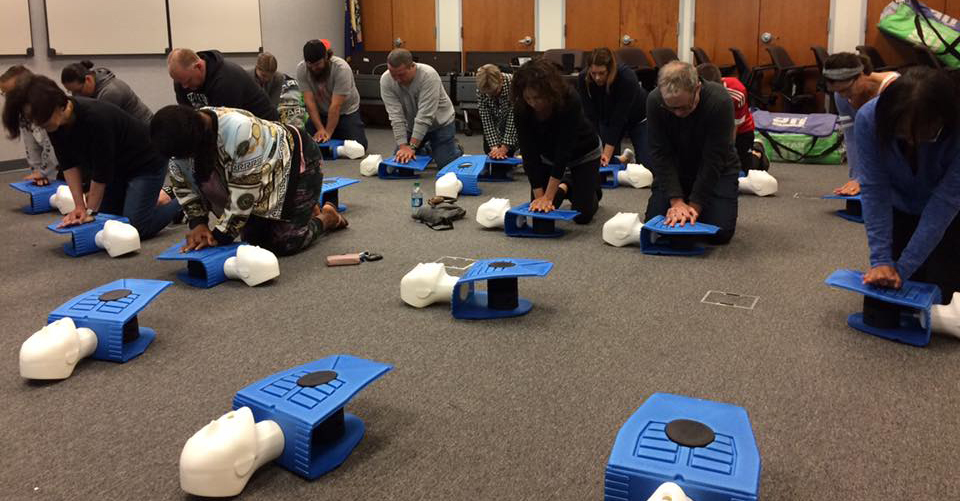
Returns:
point(608, 175)
point(468, 169)
point(520, 221)
point(83, 236)
point(854, 209)
point(330, 192)
point(498, 170)
point(501, 300)
point(204, 266)
point(300, 400)
point(655, 237)
point(918, 296)
point(391, 169)
point(39, 195)
point(111, 311)
point(328, 149)
point(707, 448)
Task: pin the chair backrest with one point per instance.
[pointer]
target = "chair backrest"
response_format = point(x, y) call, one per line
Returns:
point(780, 58)
point(501, 59)
point(369, 62)
point(633, 57)
point(663, 55)
point(446, 63)
point(740, 61)
point(925, 57)
point(820, 54)
point(569, 61)
point(872, 54)
point(700, 55)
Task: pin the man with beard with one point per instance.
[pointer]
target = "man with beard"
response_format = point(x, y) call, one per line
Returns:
point(207, 79)
point(330, 94)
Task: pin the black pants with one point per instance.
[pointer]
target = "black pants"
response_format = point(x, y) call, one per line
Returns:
point(720, 210)
point(942, 267)
point(583, 187)
point(744, 144)
point(349, 127)
point(637, 132)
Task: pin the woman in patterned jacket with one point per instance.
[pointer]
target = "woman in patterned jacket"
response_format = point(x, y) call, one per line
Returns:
point(40, 154)
point(261, 179)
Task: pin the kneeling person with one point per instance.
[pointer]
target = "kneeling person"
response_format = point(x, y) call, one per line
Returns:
point(263, 177)
point(695, 165)
point(330, 95)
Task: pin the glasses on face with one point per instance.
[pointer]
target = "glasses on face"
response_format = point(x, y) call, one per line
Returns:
point(686, 108)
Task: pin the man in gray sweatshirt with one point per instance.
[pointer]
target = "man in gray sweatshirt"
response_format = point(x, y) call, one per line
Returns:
point(420, 110)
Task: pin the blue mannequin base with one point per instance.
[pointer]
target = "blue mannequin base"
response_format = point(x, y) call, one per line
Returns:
point(39, 195)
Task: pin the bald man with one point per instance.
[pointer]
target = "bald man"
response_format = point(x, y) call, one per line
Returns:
point(207, 79)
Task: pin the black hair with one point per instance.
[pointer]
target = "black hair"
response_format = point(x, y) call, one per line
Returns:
point(41, 94)
point(709, 72)
point(179, 131)
point(544, 77)
point(315, 50)
point(14, 71)
point(920, 95)
point(76, 72)
point(847, 60)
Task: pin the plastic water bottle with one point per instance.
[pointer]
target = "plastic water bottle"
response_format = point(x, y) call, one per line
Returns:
point(416, 198)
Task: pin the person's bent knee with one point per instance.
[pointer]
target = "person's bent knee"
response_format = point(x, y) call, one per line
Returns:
point(722, 237)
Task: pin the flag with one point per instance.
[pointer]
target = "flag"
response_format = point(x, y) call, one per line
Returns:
point(352, 30)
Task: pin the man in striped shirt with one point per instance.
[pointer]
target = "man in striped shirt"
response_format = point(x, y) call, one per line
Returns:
point(496, 112)
point(742, 117)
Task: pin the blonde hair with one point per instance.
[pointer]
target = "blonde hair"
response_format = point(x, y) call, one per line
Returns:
point(489, 79)
point(267, 63)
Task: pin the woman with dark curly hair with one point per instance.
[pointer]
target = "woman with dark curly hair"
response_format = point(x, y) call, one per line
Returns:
point(261, 178)
point(561, 148)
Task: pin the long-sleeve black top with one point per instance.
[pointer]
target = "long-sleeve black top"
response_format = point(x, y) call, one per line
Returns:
point(559, 141)
point(690, 154)
point(611, 111)
point(227, 85)
point(106, 143)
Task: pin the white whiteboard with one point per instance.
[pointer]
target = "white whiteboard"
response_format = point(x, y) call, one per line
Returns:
point(104, 27)
point(224, 25)
point(15, 38)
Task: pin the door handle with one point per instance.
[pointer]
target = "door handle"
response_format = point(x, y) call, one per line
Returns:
point(766, 37)
point(398, 42)
point(627, 40)
point(527, 41)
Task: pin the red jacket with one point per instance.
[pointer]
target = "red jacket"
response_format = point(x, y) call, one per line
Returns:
point(741, 105)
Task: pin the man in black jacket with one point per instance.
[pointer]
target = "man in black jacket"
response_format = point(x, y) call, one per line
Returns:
point(207, 79)
point(694, 161)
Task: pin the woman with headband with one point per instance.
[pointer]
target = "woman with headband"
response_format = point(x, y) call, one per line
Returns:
point(852, 80)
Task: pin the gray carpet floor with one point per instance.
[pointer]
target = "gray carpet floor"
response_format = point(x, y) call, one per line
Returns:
point(525, 408)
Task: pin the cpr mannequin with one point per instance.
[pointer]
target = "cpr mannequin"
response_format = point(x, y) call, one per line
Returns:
point(53, 351)
point(759, 183)
point(448, 186)
point(426, 284)
point(669, 491)
point(218, 460)
point(945, 318)
point(351, 149)
point(636, 176)
point(369, 165)
point(62, 200)
point(623, 229)
point(254, 265)
point(490, 214)
point(118, 238)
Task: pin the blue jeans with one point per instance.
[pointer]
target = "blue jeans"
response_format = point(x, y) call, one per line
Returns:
point(136, 200)
point(348, 127)
point(442, 145)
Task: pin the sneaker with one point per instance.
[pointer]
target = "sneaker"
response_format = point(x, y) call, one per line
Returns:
point(629, 157)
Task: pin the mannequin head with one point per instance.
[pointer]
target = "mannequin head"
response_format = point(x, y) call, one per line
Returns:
point(118, 238)
point(448, 185)
point(426, 284)
point(53, 352)
point(351, 149)
point(945, 319)
point(669, 491)
point(63, 200)
point(219, 459)
point(623, 229)
point(254, 265)
point(759, 183)
point(369, 165)
point(636, 176)
point(490, 214)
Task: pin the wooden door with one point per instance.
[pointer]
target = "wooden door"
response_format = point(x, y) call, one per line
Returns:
point(715, 30)
point(377, 19)
point(795, 26)
point(489, 26)
point(651, 23)
point(410, 24)
point(952, 8)
point(592, 23)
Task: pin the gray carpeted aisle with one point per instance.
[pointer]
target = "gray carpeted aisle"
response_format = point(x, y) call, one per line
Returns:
point(526, 408)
